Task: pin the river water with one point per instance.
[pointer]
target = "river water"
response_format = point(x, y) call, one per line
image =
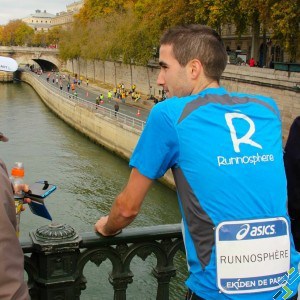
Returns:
point(88, 178)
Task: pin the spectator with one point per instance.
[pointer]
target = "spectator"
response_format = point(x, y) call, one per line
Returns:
point(12, 284)
point(116, 108)
point(97, 101)
point(271, 64)
point(292, 168)
point(251, 62)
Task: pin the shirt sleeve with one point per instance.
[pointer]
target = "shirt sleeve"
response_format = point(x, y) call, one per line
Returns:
point(157, 149)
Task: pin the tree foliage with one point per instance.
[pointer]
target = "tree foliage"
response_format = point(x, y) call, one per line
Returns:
point(70, 43)
point(94, 10)
point(16, 32)
point(127, 30)
point(19, 33)
point(285, 18)
point(130, 29)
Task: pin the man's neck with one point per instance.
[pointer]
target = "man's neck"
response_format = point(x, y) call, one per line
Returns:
point(205, 85)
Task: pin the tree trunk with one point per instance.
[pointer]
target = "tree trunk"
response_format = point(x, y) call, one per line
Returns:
point(94, 70)
point(78, 64)
point(131, 74)
point(264, 62)
point(86, 67)
point(104, 70)
point(255, 37)
point(115, 73)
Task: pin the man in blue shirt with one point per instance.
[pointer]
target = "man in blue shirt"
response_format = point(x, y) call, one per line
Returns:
point(225, 152)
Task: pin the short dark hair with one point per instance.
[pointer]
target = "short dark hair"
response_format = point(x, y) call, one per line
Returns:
point(200, 42)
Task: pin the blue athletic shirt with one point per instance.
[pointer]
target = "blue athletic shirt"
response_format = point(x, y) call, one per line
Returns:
point(225, 151)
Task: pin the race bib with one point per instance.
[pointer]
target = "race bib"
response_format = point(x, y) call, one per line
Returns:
point(252, 255)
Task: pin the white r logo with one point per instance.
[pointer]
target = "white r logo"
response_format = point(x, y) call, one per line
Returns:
point(246, 138)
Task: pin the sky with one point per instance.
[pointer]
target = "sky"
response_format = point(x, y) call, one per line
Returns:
point(18, 9)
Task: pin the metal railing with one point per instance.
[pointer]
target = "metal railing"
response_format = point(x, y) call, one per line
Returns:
point(124, 119)
point(56, 256)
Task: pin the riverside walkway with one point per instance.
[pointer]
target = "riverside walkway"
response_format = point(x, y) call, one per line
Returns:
point(137, 109)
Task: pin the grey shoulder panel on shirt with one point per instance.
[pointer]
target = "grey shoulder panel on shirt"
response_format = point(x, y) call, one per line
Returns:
point(225, 99)
point(200, 225)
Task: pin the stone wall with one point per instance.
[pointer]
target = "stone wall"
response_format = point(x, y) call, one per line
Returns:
point(283, 86)
point(116, 72)
point(6, 76)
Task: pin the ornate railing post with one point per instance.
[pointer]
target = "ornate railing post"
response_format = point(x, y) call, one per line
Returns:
point(120, 284)
point(55, 254)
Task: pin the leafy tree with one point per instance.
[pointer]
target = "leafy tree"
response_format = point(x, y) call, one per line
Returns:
point(130, 29)
point(16, 32)
point(96, 9)
point(285, 20)
point(70, 43)
point(1, 34)
point(39, 39)
point(214, 13)
point(53, 35)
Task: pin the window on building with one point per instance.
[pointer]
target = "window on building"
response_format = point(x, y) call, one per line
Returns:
point(277, 53)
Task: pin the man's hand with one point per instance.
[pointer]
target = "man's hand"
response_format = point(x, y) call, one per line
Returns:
point(25, 188)
point(100, 227)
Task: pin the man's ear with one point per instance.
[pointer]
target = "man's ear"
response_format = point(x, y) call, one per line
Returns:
point(195, 68)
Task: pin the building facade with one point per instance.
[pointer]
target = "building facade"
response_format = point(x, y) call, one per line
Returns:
point(65, 18)
point(240, 49)
point(39, 21)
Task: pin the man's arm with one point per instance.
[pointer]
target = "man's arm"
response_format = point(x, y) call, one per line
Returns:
point(126, 205)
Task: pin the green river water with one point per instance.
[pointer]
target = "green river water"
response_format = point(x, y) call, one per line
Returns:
point(87, 177)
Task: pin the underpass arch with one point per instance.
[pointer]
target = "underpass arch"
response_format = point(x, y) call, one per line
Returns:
point(46, 65)
point(44, 58)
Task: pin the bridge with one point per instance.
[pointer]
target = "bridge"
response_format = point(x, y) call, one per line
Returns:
point(45, 58)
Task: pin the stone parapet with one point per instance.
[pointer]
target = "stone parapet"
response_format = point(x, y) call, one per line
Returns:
point(263, 76)
point(6, 76)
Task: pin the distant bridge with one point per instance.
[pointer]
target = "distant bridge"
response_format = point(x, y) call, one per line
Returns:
point(45, 58)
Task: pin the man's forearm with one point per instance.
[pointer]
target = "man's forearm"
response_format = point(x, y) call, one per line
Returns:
point(126, 205)
point(116, 223)
point(121, 215)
